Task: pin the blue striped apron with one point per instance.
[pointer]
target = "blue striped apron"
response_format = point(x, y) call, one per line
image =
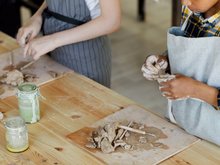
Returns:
point(91, 58)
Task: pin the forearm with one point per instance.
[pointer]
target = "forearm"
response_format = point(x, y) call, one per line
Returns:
point(31, 28)
point(38, 14)
point(206, 93)
point(41, 9)
point(106, 23)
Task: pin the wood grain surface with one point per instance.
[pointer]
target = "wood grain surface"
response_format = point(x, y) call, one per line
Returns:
point(70, 96)
point(7, 43)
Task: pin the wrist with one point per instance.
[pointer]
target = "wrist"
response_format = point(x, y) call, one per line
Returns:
point(37, 18)
point(55, 40)
point(206, 93)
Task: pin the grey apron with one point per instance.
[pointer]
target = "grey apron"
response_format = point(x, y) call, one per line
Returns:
point(197, 58)
point(91, 58)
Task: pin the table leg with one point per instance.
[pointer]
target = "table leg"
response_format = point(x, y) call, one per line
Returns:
point(141, 10)
point(176, 12)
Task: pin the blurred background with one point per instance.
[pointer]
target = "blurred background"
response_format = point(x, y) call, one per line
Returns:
point(143, 32)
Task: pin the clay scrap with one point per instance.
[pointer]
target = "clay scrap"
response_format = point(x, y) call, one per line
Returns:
point(126, 137)
point(53, 74)
point(16, 77)
point(13, 78)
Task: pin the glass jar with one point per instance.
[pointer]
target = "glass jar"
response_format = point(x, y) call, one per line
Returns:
point(16, 134)
point(28, 102)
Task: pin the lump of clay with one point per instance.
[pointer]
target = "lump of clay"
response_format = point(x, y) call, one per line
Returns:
point(28, 77)
point(106, 146)
point(53, 74)
point(13, 78)
point(108, 138)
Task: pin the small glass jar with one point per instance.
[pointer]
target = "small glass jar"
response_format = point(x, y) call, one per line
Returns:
point(28, 102)
point(16, 134)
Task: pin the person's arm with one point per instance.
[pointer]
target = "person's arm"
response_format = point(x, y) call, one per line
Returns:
point(206, 93)
point(183, 87)
point(108, 22)
point(40, 10)
point(32, 27)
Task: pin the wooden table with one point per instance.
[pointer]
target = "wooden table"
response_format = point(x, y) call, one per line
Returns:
point(72, 103)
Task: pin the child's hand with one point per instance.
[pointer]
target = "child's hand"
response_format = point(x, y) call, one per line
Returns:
point(29, 30)
point(39, 46)
point(179, 87)
point(154, 66)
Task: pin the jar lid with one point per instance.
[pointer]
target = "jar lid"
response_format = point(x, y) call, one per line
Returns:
point(14, 122)
point(27, 87)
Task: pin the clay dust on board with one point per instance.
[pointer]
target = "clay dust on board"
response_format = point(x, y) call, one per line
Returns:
point(125, 136)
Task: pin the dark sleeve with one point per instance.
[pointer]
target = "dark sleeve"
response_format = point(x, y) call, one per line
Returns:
point(218, 99)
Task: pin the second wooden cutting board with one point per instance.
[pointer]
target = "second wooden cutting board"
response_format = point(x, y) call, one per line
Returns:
point(177, 139)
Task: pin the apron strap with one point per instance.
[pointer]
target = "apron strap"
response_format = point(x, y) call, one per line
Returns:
point(47, 14)
point(170, 113)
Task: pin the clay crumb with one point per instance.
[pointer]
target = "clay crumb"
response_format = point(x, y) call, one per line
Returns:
point(59, 148)
point(75, 116)
point(9, 68)
point(53, 74)
point(29, 77)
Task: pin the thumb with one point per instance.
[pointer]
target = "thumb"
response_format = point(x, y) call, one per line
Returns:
point(23, 39)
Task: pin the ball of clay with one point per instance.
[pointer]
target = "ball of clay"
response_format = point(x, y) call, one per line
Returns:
point(13, 78)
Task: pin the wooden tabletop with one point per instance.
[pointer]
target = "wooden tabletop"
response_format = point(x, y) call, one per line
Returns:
point(73, 102)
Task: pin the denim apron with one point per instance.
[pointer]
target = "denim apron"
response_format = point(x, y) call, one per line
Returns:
point(91, 58)
point(199, 59)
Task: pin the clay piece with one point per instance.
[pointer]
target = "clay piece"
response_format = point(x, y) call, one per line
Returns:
point(28, 77)
point(13, 78)
point(112, 137)
point(53, 74)
point(107, 138)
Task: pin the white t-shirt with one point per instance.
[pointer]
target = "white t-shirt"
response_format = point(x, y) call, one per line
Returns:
point(94, 8)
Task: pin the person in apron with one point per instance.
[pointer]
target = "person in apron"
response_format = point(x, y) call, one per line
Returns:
point(74, 34)
point(193, 57)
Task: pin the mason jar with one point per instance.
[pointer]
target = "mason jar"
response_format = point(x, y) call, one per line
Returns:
point(16, 134)
point(28, 102)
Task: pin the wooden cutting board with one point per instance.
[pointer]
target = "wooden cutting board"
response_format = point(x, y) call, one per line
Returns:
point(41, 68)
point(176, 141)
